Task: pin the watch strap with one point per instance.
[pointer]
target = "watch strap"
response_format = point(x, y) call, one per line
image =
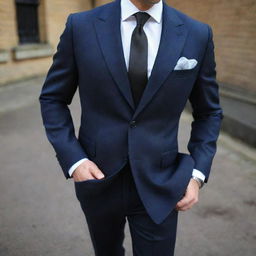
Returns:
point(200, 182)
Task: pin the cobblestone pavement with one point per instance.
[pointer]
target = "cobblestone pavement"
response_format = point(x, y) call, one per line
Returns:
point(40, 215)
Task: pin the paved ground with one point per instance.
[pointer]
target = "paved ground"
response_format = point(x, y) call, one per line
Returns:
point(40, 215)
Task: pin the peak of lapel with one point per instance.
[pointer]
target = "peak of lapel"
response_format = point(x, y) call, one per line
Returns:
point(107, 27)
point(173, 36)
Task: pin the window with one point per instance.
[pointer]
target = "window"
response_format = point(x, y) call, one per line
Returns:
point(27, 19)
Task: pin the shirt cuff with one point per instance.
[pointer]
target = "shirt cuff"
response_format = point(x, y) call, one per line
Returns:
point(198, 174)
point(75, 165)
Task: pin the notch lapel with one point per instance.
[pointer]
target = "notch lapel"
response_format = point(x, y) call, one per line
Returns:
point(172, 40)
point(107, 27)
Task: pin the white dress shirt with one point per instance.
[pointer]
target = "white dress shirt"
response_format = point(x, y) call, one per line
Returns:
point(153, 29)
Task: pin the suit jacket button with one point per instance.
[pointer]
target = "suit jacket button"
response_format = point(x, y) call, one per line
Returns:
point(133, 124)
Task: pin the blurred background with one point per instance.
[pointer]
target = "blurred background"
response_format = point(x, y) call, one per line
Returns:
point(39, 213)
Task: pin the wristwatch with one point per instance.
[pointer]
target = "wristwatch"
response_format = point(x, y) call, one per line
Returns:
point(199, 181)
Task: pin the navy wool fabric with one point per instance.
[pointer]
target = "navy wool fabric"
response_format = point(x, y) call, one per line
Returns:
point(113, 132)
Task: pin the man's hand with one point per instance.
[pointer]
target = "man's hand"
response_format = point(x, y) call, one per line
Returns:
point(190, 198)
point(87, 170)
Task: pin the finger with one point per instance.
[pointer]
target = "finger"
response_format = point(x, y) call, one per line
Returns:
point(183, 201)
point(189, 204)
point(97, 173)
point(83, 177)
point(89, 176)
point(181, 208)
point(186, 207)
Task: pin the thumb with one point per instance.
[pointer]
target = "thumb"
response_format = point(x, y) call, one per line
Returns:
point(97, 173)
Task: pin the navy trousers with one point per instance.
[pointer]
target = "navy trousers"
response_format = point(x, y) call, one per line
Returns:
point(108, 203)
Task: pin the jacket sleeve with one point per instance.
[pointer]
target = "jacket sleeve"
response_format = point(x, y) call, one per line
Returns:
point(207, 112)
point(57, 93)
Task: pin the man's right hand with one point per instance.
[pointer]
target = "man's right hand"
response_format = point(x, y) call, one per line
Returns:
point(87, 170)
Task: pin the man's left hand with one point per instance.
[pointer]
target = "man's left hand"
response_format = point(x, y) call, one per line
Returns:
point(190, 198)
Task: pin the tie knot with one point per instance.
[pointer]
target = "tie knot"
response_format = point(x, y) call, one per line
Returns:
point(141, 18)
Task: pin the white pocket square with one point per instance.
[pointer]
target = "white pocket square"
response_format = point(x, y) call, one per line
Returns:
point(184, 64)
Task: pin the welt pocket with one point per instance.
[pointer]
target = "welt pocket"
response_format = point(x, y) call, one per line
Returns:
point(168, 158)
point(183, 73)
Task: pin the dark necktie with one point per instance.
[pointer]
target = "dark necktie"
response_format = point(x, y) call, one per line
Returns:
point(138, 60)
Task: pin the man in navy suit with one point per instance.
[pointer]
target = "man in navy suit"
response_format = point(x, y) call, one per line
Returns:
point(136, 63)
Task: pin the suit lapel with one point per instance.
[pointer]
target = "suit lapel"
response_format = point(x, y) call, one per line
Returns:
point(107, 27)
point(172, 40)
point(173, 37)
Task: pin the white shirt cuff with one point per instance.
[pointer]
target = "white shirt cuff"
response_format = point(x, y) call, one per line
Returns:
point(195, 172)
point(198, 174)
point(74, 166)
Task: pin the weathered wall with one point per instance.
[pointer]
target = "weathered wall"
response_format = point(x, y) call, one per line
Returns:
point(233, 23)
point(52, 17)
point(234, 28)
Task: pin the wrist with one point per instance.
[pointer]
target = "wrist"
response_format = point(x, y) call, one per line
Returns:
point(199, 181)
point(75, 166)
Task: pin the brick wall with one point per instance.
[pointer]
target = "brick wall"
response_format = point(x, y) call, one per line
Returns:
point(8, 35)
point(56, 13)
point(234, 28)
point(52, 17)
point(233, 23)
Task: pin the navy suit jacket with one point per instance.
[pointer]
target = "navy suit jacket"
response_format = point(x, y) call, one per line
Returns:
point(90, 57)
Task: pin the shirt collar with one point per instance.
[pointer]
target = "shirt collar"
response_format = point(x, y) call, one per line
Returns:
point(128, 9)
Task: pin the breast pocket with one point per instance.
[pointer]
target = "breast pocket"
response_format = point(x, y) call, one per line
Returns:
point(184, 73)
